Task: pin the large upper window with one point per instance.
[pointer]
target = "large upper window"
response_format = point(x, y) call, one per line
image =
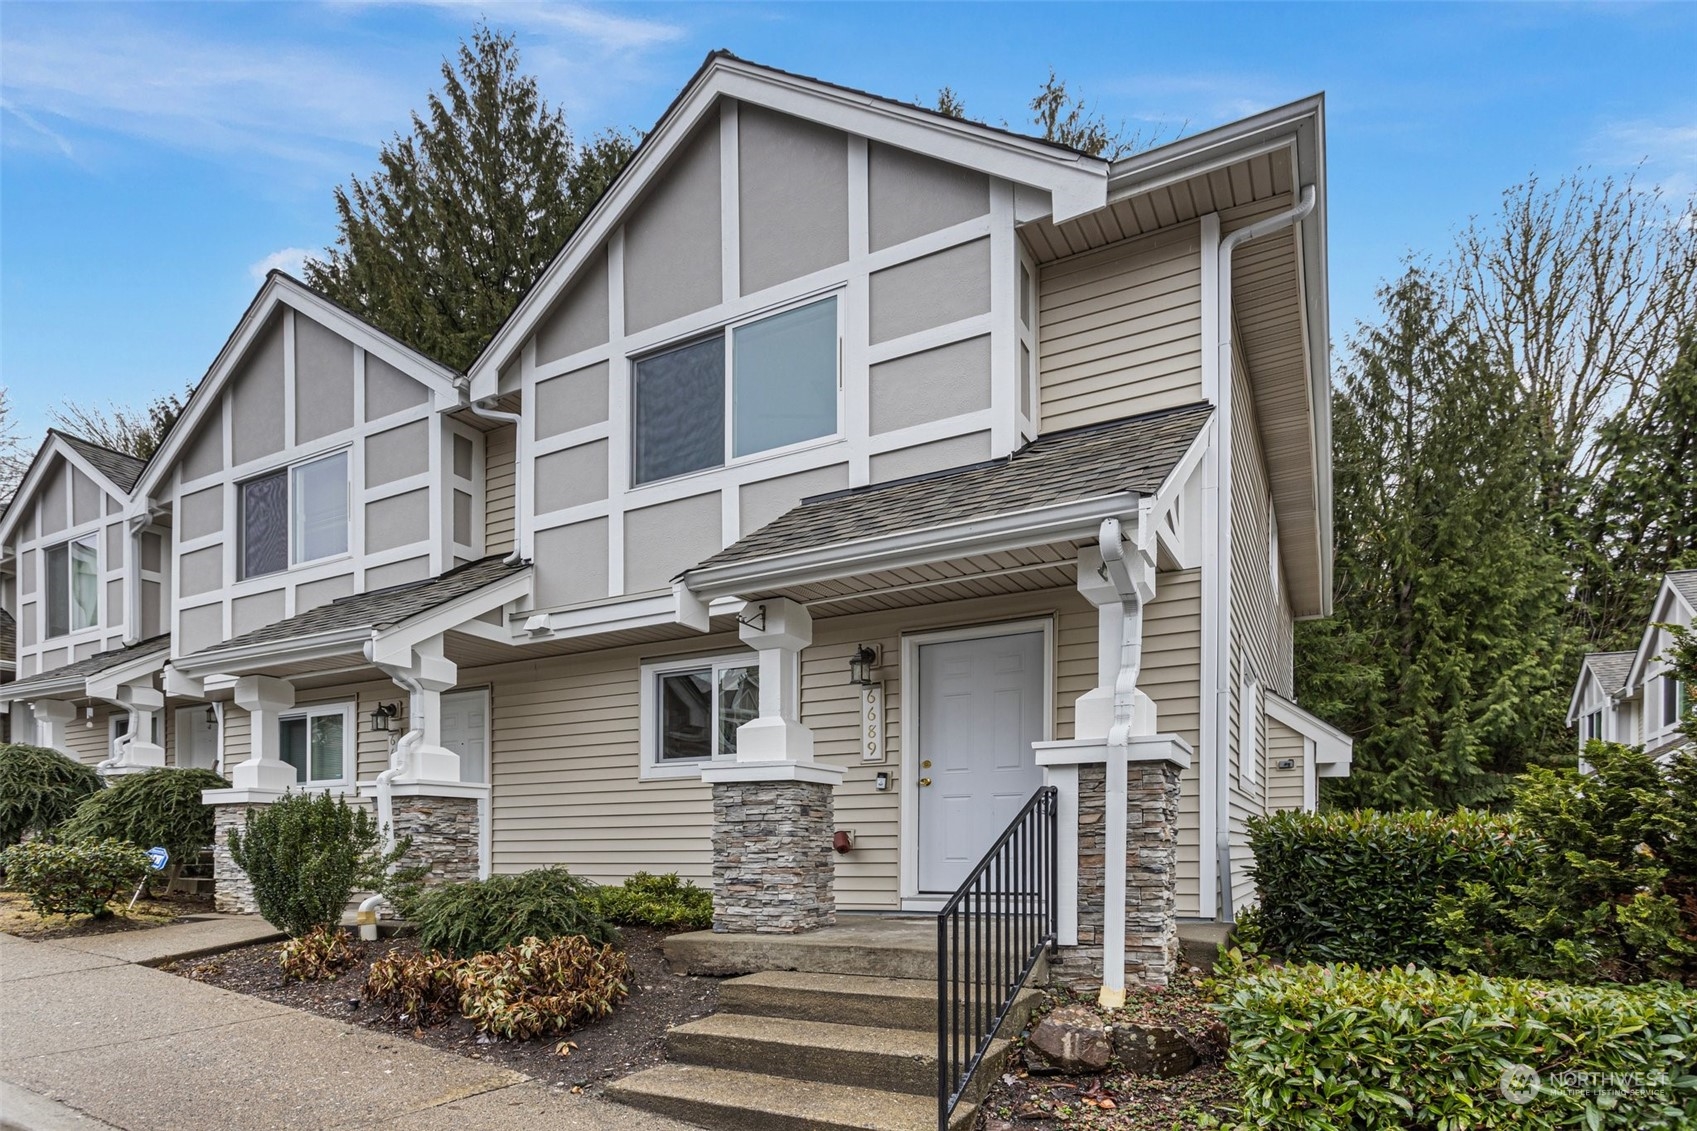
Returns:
point(315, 742)
point(691, 710)
point(73, 585)
point(755, 387)
point(294, 515)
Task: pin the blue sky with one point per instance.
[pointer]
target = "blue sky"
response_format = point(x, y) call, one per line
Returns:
point(156, 158)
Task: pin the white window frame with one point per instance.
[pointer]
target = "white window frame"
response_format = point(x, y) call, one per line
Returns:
point(90, 540)
point(654, 768)
point(350, 742)
point(289, 471)
point(1248, 740)
point(727, 334)
point(1273, 548)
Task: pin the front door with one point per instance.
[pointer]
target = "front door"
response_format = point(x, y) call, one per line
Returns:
point(197, 738)
point(465, 731)
point(981, 706)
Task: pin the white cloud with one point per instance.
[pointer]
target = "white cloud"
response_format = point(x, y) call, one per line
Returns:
point(1664, 152)
point(595, 29)
point(291, 260)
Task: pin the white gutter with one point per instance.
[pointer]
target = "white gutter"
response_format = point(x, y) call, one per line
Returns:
point(521, 505)
point(1223, 538)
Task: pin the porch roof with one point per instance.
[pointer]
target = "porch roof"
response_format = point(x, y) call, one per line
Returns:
point(1113, 462)
point(74, 677)
point(347, 622)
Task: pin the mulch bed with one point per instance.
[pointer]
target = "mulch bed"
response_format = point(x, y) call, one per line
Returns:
point(1117, 1100)
point(18, 918)
point(631, 1039)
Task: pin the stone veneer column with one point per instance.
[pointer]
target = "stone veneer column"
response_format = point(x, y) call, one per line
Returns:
point(232, 891)
point(772, 814)
point(444, 831)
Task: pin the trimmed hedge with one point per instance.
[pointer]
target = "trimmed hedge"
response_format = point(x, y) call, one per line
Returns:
point(153, 807)
point(1362, 886)
point(306, 854)
point(38, 789)
point(483, 916)
point(647, 900)
point(1324, 1049)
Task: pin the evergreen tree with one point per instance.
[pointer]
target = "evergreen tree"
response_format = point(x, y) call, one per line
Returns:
point(464, 214)
point(1446, 655)
point(1641, 518)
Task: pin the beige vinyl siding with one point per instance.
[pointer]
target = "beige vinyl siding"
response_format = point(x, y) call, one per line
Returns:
point(1172, 666)
point(1120, 330)
point(1284, 787)
point(89, 745)
point(371, 748)
point(499, 448)
point(1261, 627)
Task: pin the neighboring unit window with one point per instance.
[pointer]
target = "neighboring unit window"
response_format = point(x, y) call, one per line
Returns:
point(766, 384)
point(1673, 700)
point(294, 515)
point(73, 586)
point(692, 709)
point(315, 743)
point(1594, 725)
point(1273, 548)
point(1249, 737)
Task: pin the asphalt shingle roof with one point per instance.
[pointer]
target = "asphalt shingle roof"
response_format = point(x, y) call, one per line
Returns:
point(1610, 668)
point(1685, 580)
point(89, 666)
point(377, 609)
point(120, 468)
point(1133, 454)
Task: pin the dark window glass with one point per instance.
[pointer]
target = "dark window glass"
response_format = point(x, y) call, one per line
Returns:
point(679, 411)
point(56, 563)
point(686, 715)
point(291, 745)
point(265, 524)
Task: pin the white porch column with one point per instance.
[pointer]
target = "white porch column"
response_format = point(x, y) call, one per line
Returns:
point(143, 701)
point(781, 629)
point(420, 756)
point(263, 698)
point(52, 716)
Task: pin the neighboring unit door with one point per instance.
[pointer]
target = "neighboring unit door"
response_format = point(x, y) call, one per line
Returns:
point(197, 738)
point(981, 706)
point(465, 731)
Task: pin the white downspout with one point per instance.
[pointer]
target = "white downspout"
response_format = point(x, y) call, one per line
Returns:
point(1223, 540)
point(1112, 543)
point(521, 507)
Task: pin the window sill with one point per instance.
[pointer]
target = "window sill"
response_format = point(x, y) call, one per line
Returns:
point(743, 461)
point(674, 771)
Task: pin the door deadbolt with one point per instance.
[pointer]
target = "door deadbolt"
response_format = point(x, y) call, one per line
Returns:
point(925, 765)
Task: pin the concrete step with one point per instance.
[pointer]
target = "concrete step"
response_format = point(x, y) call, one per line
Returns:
point(896, 1060)
point(843, 999)
point(881, 948)
point(751, 1101)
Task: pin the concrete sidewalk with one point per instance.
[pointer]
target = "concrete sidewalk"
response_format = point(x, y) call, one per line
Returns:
point(90, 1040)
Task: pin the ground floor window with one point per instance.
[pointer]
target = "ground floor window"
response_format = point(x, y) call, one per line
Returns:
point(315, 741)
point(691, 710)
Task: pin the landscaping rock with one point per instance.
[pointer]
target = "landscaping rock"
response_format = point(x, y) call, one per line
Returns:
point(1071, 1040)
point(1153, 1050)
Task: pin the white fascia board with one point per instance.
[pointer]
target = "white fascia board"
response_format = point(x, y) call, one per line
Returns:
point(54, 445)
point(52, 689)
point(103, 685)
point(1332, 747)
point(1078, 519)
point(1077, 183)
point(392, 644)
point(1585, 676)
point(279, 289)
point(318, 646)
point(1660, 612)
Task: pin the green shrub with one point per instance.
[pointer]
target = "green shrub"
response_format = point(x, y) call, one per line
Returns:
point(1363, 886)
point(1610, 887)
point(479, 916)
point(305, 855)
point(77, 878)
point(542, 987)
point(38, 789)
point(321, 953)
point(1320, 1048)
point(646, 900)
point(160, 807)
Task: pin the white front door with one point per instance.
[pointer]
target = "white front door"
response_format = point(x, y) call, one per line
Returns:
point(981, 706)
point(197, 738)
point(465, 731)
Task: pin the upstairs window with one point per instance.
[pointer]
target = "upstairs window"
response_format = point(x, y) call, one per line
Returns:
point(294, 515)
point(1673, 701)
point(756, 387)
point(73, 585)
point(1593, 725)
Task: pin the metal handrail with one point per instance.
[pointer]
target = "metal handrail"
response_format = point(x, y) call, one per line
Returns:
point(989, 936)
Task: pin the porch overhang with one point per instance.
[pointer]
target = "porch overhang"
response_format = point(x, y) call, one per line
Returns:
point(1333, 749)
point(77, 680)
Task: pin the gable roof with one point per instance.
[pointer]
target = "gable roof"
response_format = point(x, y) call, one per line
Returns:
point(121, 468)
point(1677, 585)
point(361, 613)
point(73, 676)
point(280, 289)
point(1107, 462)
point(1684, 582)
point(1077, 182)
point(1610, 669)
point(115, 472)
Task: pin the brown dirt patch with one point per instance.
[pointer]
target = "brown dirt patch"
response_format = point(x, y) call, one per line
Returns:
point(631, 1039)
point(18, 918)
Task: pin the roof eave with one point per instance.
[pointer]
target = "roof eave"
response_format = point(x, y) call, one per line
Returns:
point(31, 482)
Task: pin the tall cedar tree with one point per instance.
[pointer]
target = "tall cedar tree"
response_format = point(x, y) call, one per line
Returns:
point(1641, 517)
point(1447, 652)
point(438, 246)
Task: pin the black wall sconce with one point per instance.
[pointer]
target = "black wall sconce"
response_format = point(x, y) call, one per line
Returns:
point(383, 715)
point(861, 666)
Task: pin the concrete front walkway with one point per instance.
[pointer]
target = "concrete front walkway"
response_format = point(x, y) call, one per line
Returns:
point(89, 1039)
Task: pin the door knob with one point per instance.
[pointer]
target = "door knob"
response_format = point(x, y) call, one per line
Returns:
point(924, 781)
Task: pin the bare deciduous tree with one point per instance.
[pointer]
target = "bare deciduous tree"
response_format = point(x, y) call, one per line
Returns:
point(133, 431)
point(14, 457)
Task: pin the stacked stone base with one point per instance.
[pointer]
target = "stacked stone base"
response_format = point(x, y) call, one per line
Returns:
point(232, 891)
point(772, 857)
point(1151, 865)
point(444, 834)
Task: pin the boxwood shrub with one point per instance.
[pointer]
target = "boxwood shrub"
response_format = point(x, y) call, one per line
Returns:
point(38, 789)
point(482, 916)
point(1327, 1048)
point(1362, 886)
point(647, 900)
